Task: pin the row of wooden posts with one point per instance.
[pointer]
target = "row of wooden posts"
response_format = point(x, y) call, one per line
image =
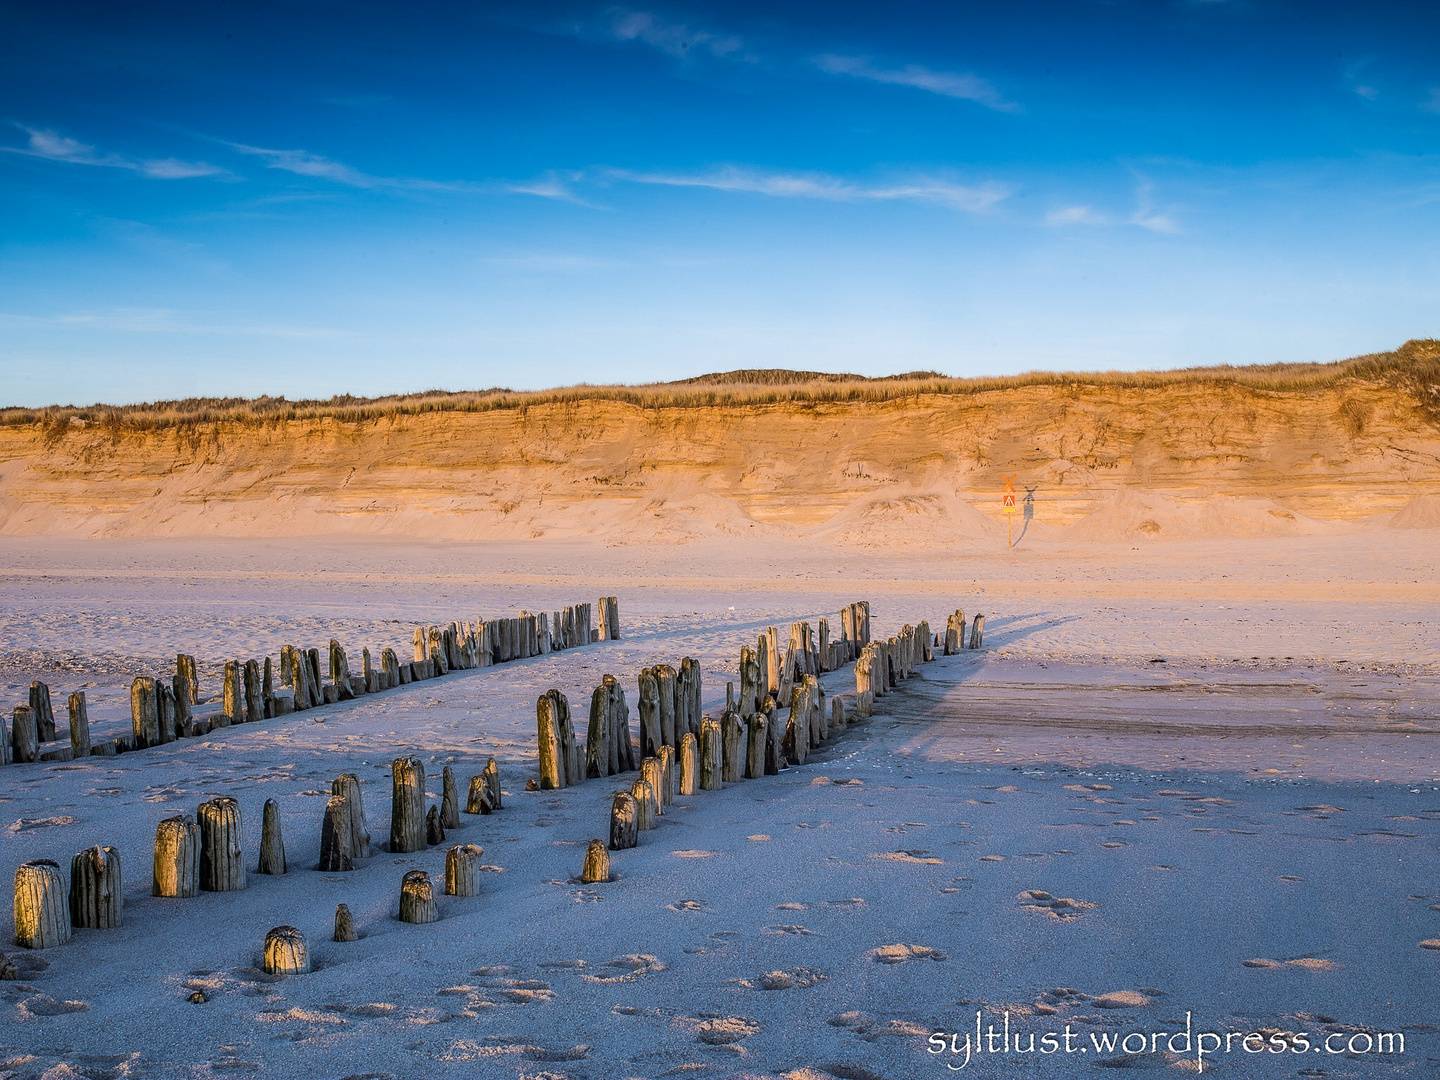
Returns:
point(748, 742)
point(205, 853)
point(162, 710)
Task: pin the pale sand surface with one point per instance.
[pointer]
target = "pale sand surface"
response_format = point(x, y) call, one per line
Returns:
point(1270, 793)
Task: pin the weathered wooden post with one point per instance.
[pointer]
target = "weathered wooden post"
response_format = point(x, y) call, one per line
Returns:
point(772, 660)
point(422, 645)
point(222, 858)
point(666, 757)
point(755, 747)
point(165, 712)
point(597, 864)
point(437, 652)
point(649, 702)
point(434, 831)
point(492, 782)
point(550, 709)
point(180, 687)
point(691, 671)
point(41, 918)
point(623, 759)
point(600, 755)
point(267, 692)
point(646, 810)
point(254, 698)
point(348, 785)
point(417, 898)
point(177, 857)
point(797, 728)
point(344, 924)
point(24, 740)
point(286, 952)
point(407, 805)
point(665, 685)
point(689, 756)
point(775, 761)
point(234, 703)
point(711, 755)
point(837, 714)
point(335, 837)
point(185, 665)
point(462, 870)
point(7, 746)
point(44, 713)
point(654, 775)
point(272, 844)
point(484, 795)
point(144, 717)
point(732, 748)
point(449, 801)
point(97, 898)
point(624, 824)
point(389, 669)
point(977, 632)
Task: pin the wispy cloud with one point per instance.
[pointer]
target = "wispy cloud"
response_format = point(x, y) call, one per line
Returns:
point(1076, 215)
point(52, 146)
point(1146, 216)
point(974, 199)
point(160, 321)
point(552, 185)
point(676, 39)
point(962, 85)
point(304, 163)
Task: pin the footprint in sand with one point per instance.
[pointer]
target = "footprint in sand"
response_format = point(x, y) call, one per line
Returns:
point(919, 856)
point(1063, 908)
point(1120, 999)
point(900, 954)
point(789, 907)
point(687, 905)
point(1309, 963)
point(1431, 943)
point(758, 837)
point(799, 931)
point(45, 1005)
point(632, 967)
point(725, 1030)
point(690, 853)
point(795, 979)
point(848, 902)
point(992, 858)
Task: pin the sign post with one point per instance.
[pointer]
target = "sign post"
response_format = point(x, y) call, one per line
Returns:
point(1008, 503)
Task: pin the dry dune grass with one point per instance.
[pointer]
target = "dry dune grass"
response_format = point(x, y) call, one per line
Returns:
point(1413, 369)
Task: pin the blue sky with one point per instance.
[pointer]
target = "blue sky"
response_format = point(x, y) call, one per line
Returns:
point(305, 199)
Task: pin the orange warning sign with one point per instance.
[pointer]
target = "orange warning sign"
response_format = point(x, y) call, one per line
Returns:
point(1009, 502)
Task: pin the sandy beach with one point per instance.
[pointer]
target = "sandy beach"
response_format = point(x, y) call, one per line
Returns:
point(1185, 779)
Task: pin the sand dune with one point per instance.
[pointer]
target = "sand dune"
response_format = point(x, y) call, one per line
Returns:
point(1180, 460)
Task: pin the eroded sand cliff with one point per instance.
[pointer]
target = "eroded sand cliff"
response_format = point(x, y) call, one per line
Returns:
point(1106, 460)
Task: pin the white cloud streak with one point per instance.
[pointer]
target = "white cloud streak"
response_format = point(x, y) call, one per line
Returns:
point(973, 199)
point(675, 39)
point(962, 85)
point(52, 146)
